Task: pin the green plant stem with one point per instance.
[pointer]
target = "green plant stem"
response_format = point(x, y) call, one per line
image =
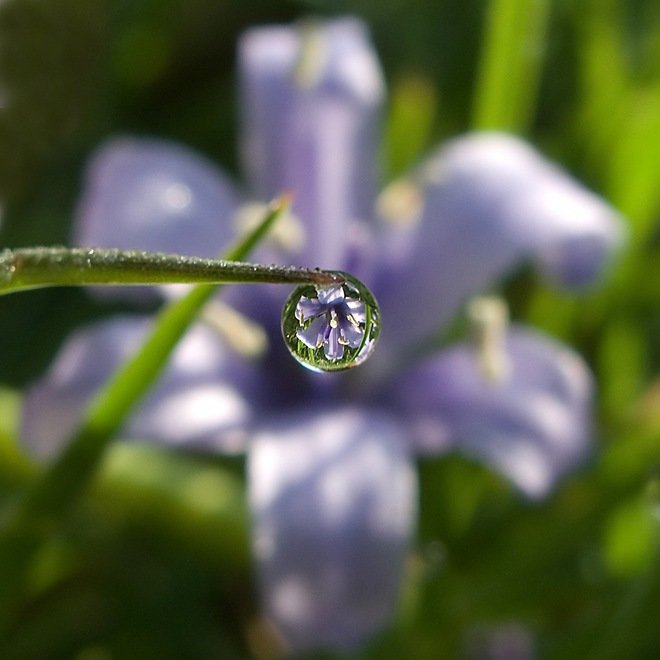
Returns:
point(31, 268)
point(510, 64)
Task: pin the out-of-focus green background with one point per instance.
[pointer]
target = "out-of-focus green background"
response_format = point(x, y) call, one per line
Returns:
point(155, 562)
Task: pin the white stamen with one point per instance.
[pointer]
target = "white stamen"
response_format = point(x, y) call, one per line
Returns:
point(242, 334)
point(400, 204)
point(489, 318)
point(312, 56)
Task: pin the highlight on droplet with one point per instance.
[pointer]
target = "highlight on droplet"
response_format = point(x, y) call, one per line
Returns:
point(331, 327)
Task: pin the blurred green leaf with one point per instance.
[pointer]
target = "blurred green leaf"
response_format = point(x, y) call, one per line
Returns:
point(511, 62)
point(187, 497)
point(15, 468)
point(621, 365)
point(602, 74)
point(413, 108)
point(50, 57)
point(635, 164)
point(631, 537)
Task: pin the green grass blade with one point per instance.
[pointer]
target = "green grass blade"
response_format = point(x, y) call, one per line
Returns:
point(510, 65)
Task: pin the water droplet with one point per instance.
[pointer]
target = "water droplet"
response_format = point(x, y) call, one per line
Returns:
point(331, 327)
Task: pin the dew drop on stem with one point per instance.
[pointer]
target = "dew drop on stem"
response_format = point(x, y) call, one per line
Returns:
point(331, 327)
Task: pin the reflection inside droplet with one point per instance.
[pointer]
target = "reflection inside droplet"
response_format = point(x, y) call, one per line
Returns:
point(331, 327)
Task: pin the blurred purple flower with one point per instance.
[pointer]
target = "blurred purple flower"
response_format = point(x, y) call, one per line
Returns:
point(330, 458)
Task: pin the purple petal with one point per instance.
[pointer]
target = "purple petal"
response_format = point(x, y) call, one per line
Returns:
point(333, 497)
point(314, 334)
point(156, 195)
point(351, 335)
point(485, 203)
point(357, 309)
point(533, 426)
point(332, 347)
point(197, 402)
point(329, 295)
point(308, 308)
point(311, 99)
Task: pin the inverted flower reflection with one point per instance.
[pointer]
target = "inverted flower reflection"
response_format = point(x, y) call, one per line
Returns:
point(335, 321)
point(331, 485)
point(331, 328)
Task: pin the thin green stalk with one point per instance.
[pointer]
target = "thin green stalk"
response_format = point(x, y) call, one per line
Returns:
point(510, 65)
point(635, 616)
